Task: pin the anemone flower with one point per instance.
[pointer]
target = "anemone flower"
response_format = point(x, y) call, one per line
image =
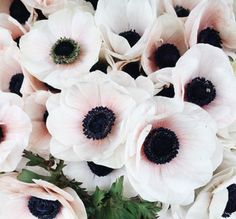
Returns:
point(180, 8)
point(16, 17)
point(11, 73)
point(38, 200)
point(167, 157)
point(92, 115)
point(15, 129)
point(92, 175)
point(121, 25)
point(165, 45)
point(204, 76)
point(212, 22)
point(35, 107)
point(217, 199)
point(66, 46)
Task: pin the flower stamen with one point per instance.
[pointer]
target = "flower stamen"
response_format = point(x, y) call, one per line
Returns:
point(98, 123)
point(131, 36)
point(200, 91)
point(181, 11)
point(42, 208)
point(65, 51)
point(161, 145)
point(210, 36)
point(167, 55)
point(99, 170)
point(16, 83)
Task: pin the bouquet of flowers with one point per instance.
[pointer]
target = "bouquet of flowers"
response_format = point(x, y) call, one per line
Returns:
point(117, 109)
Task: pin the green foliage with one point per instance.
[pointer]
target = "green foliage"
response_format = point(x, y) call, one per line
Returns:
point(101, 204)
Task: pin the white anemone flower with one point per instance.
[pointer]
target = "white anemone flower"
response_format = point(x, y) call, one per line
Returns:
point(169, 151)
point(180, 8)
point(11, 72)
point(15, 129)
point(35, 107)
point(217, 199)
point(125, 25)
point(212, 22)
point(38, 200)
point(92, 175)
point(63, 47)
point(204, 76)
point(88, 120)
point(165, 45)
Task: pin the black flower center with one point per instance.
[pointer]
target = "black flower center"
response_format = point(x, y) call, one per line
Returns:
point(167, 55)
point(98, 123)
point(52, 89)
point(210, 36)
point(231, 204)
point(167, 91)
point(94, 3)
point(101, 66)
point(44, 209)
point(181, 11)
point(19, 11)
point(99, 170)
point(133, 69)
point(16, 83)
point(200, 91)
point(40, 14)
point(2, 133)
point(161, 145)
point(65, 51)
point(45, 116)
point(132, 37)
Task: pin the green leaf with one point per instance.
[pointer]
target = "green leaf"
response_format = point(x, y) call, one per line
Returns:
point(117, 187)
point(27, 176)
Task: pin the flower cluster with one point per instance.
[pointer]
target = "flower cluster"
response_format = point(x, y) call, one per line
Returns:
point(118, 109)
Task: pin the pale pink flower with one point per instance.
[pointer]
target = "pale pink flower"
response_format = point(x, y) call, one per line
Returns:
point(216, 199)
point(169, 151)
point(212, 22)
point(61, 48)
point(35, 107)
point(5, 39)
point(88, 120)
point(180, 8)
point(11, 72)
point(165, 45)
point(123, 25)
point(38, 200)
point(15, 128)
point(204, 76)
point(16, 17)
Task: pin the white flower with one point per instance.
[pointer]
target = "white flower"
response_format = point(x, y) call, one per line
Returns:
point(15, 128)
point(180, 8)
point(125, 25)
point(38, 200)
point(88, 121)
point(204, 76)
point(169, 152)
point(165, 45)
point(11, 73)
point(212, 22)
point(63, 47)
point(35, 107)
point(217, 199)
point(92, 175)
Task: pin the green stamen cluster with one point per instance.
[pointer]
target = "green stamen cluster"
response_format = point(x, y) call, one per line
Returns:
point(65, 51)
